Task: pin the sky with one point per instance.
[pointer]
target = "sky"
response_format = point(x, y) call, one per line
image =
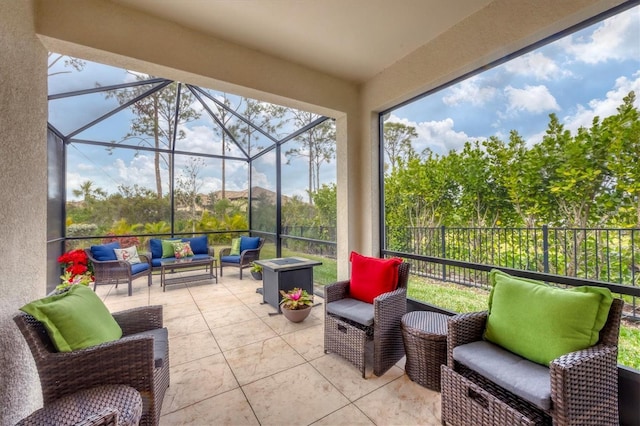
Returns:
point(577, 77)
point(580, 76)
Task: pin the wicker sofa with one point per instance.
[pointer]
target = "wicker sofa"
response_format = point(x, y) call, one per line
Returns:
point(139, 359)
point(199, 246)
point(582, 385)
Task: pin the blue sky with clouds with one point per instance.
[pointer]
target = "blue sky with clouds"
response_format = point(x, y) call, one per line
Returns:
point(580, 76)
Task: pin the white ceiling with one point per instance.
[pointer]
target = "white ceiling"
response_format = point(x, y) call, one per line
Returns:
point(350, 39)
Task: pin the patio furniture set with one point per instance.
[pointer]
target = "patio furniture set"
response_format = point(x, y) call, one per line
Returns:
point(505, 366)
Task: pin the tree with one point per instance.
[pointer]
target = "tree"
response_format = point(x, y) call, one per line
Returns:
point(228, 120)
point(317, 145)
point(188, 185)
point(155, 120)
point(54, 58)
point(397, 142)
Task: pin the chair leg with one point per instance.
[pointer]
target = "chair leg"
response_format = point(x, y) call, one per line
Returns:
point(241, 272)
point(130, 287)
point(220, 270)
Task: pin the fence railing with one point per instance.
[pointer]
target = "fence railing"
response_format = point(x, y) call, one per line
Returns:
point(599, 254)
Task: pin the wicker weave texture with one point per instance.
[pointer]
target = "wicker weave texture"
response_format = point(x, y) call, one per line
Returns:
point(103, 405)
point(128, 361)
point(584, 384)
point(425, 343)
point(349, 340)
point(115, 271)
point(246, 257)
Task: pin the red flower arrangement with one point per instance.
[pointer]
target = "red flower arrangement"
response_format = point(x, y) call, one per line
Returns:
point(77, 269)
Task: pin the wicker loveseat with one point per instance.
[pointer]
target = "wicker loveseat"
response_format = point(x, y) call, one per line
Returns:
point(484, 384)
point(139, 359)
point(199, 246)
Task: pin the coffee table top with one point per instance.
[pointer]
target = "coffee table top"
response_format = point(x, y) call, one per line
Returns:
point(186, 261)
point(284, 263)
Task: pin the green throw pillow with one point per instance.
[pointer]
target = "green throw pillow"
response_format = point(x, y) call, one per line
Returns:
point(540, 322)
point(75, 319)
point(235, 247)
point(167, 247)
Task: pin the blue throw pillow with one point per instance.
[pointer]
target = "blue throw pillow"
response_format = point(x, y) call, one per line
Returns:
point(155, 245)
point(105, 251)
point(249, 243)
point(199, 245)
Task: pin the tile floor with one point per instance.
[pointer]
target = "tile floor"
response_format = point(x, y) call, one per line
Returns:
point(234, 364)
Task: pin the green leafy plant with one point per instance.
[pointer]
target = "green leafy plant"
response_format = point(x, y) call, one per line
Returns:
point(256, 268)
point(296, 299)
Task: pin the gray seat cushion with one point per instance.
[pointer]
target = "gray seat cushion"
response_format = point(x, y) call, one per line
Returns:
point(526, 379)
point(352, 309)
point(160, 344)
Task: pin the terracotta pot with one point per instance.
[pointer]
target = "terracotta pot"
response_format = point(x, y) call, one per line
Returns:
point(297, 315)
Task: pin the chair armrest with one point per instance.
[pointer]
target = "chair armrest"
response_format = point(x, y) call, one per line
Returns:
point(248, 256)
point(226, 251)
point(389, 309)
point(124, 361)
point(145, 257)
point(139, 319)
point(336, 291)
point(463, 329)
point(212, 251)
point(595, 369)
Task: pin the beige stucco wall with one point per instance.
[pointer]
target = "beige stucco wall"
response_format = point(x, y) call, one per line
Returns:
point(23, 199)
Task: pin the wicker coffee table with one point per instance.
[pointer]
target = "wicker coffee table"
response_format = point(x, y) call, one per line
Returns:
point(209, 264)
point(425, 344)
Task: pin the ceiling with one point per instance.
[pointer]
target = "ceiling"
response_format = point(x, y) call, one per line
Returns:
point(350, 39)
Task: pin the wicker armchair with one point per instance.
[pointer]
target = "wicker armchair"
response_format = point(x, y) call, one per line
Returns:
point(114, 271)
point(584, 384)
point(128, 361)
point(349, 338)
point(244, 260)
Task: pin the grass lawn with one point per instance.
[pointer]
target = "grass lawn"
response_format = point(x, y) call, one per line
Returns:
point(460, 298)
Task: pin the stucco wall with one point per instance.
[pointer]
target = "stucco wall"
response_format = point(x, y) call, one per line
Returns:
point(23, 167)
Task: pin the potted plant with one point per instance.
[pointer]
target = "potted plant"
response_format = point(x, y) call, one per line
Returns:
point(77, 269)
point(256, 271)
point(296, 304)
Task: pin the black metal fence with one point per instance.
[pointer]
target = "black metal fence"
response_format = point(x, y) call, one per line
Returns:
point(601, 254)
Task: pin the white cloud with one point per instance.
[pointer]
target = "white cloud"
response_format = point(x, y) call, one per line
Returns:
point(470, 91)
point(583, 116)
point(532, 99)
point(537, 65)
point(610, 41)
point(439, 136)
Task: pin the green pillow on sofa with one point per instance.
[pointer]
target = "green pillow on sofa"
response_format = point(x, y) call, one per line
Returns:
point(540, 322)
point(167, 247)
point(75, 319)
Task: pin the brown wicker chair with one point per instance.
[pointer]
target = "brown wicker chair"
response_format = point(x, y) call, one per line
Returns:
point(584, 384)
point(128, 361)
point(349, 338)
point(243, 261)
point(114, 271)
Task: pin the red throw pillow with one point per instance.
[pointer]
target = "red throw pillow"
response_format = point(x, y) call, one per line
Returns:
point(371, 276)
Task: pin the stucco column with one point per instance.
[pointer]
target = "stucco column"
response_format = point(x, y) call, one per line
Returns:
point(23, 199)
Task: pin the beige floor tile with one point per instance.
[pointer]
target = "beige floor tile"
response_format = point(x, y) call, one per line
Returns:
point(281, 325)
point(229, 408)
point(186, 325)
point(174, 311)
point(258, 360)
point(241, 334)
point(228, 315)
point(402, 402)
point(190, 347)
point(219, 301)
point(347, 416)
point(348, 379)
point(196, 381)
point(273, 397)
point(308, 342)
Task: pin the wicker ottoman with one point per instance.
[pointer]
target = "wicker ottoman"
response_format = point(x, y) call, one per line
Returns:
point(103, 405)
point(425, 344)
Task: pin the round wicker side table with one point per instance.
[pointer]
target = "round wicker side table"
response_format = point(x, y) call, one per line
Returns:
point(102, 405)
point(425, 344)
